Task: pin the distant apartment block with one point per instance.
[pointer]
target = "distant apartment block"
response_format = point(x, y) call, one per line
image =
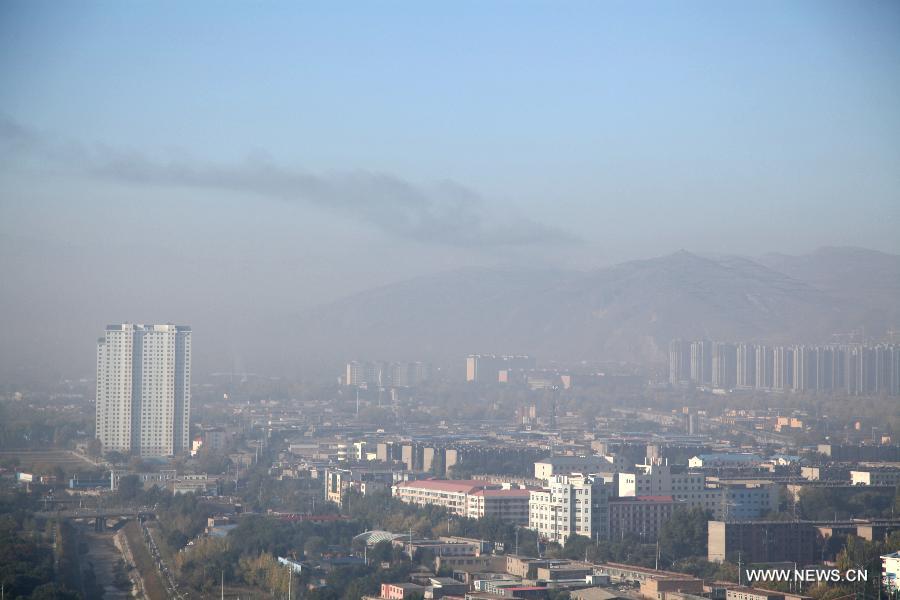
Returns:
point(143, 401)
point(386, 374)
point(854, 369)
point(493, 368)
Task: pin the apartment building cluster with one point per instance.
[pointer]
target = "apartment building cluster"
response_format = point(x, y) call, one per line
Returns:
point(637, 501)
point(855, 369)
point(588, 496)
point(381, 374)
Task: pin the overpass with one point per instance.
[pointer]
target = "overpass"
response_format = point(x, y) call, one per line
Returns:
point(100, 514)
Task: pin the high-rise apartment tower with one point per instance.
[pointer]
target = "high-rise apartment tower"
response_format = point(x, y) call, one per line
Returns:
point(144, 389)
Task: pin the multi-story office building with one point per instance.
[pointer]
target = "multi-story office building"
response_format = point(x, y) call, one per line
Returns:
point(144, 389)
point(571, 505)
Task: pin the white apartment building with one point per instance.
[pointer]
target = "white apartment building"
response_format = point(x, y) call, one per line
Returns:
point(510, 504)
point(144, 389)
point(662, 480)
point(571, 505)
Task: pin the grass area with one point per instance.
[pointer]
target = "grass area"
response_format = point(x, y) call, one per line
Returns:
point(153, 585)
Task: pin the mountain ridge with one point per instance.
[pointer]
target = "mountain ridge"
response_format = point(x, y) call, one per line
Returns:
point(628, 311)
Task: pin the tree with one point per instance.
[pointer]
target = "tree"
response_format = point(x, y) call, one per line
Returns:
point(94, 448)
point(129, 487)
point(684, 534)
point(314, 547)
point(381, 552)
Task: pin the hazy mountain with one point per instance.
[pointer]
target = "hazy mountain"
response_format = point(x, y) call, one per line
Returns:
point(625, 312)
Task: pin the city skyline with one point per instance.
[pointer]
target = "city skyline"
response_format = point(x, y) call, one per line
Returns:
point(269, 160)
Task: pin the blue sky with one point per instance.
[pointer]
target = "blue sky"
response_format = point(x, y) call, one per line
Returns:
point(698, 116)
point(350, 144)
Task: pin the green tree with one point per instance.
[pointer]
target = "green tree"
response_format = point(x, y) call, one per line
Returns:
point(684, 534)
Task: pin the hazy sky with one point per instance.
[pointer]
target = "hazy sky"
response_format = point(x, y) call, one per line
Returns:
point(202, 161)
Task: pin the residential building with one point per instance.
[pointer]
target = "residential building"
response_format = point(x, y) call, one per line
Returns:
point(467, 498)
point(642, 516)
point(143, 400)
point(363, 480)
point(663, 480)
point(510, 505)
point(571, 504)
point(486, 368)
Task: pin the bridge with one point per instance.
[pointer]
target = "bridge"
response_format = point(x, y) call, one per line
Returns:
point(100, 514)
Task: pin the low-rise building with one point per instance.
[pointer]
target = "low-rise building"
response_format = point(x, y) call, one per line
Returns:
point(401, 591)
point(882, 477)
point(468, 498)
point(656, 588)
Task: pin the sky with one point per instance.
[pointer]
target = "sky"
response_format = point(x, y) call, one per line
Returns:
point(215, 162)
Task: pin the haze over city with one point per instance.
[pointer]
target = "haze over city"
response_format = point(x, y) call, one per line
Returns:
point(450, 300)
point(262, 160)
